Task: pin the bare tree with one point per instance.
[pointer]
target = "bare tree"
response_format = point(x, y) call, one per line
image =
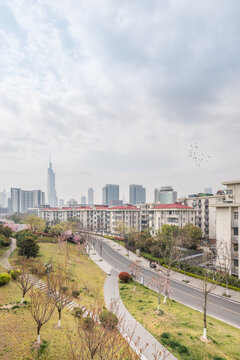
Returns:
point(208, 287)
point(24, 268)
point(158, 283)
point(59, 286)
point(41, 308)
point(101, 340)
point(169, 249)
point(224, 259)
point(135, 271)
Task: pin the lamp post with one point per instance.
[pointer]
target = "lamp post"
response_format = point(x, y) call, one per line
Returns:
point(48, 268)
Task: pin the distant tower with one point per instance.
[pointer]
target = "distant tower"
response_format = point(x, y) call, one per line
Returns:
point(83, 200)
point(90, 196)
point(51, 190)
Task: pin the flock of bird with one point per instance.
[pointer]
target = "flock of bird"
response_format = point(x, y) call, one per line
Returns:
point(197, 154)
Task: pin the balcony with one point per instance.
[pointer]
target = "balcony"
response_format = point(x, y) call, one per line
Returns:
point(234, 270)
point(234, 223)
point(234, 254)
point(234, 239)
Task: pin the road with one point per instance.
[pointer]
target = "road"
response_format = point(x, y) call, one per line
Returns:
point(218, 307)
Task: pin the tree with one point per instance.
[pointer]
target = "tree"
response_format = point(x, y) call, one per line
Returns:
point(6, 231)
point(99, 341)
point(224, 262)
point(59, 287)
point(208, 287)
point(41, 307)
point(28, 247)
point(135, 270)
point(36, 223)
point(158, 283)
point(192, 236)
point(24, 280)
point(168, 243)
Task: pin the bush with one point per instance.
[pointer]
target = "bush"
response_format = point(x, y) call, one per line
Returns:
point(14, 274)
point(64, 289)
point(77, 312)
point(6, 231)
point(124, 276)
point(108, 319)
point(75, 293)
point(4, 241)
point(165, 335)
point(88, 323)
point(4, 279)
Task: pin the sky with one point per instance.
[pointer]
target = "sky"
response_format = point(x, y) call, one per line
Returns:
point(119, 92)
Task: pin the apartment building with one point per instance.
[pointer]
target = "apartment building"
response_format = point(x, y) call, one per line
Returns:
point(170, 214)
point(205, 206)
point(96, 218)
point(227, 228)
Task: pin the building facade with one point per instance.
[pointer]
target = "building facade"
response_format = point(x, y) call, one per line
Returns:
point(137, 194)
point(110, 193)
point(165, 195)
point(22, 200)
point(90, 196)
point(51, 187)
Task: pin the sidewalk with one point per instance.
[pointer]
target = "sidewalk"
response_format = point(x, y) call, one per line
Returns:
point(4, 259)
point(195, 283)
point(140, 336)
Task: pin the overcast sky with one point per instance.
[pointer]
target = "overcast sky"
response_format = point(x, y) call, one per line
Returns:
point(117, 92)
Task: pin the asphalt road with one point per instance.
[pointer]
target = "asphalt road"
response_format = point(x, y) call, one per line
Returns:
point(218, 307)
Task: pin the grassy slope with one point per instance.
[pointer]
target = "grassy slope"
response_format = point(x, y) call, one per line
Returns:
point(18, 329)
point(184, 325)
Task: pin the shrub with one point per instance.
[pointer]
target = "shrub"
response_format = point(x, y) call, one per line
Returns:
point(28, 247)
point(165, 335)
point(124, 276)
point(6, 231)
point(108, 319)
point(88, 323)
point(77, 312)
point(4, 279)
point(4, 241)
point(75, 293)
point(14, 274)
point(64, 289)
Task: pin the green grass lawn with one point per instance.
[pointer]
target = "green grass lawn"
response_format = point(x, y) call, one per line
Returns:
point(183, 326)
point(17, 327)
point(88, 277)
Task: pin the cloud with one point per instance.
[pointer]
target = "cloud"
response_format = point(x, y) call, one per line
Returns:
point(116, 92)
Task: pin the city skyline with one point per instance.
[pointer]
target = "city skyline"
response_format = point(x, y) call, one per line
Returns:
point(131, 112)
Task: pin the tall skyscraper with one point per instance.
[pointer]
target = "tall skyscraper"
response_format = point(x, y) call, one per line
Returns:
point(110, 194)
point(166, 195)
point(22, 200)
point(137, 194)
point(83, 200)
point(3, 199)
point(90, 196)
point(51, 190)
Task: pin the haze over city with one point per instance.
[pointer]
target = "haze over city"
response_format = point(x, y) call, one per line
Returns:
point(119, 93)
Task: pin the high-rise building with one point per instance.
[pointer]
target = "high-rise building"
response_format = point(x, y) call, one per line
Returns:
point(61, 202)
point(51, 190)
point(90, 196)
point(110, 193)
point(83, 200)
point(3, 199)
point(165, 195)
point(22, 200)
point(208, 190)
point(137, 194)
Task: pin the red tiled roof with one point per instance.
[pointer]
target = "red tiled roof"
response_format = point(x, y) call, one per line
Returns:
point(124, 207)
point(84, 207)
point(171, 206)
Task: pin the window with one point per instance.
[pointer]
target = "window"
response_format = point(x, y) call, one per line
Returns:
point(235, 247)
point(229, 192)
point(235, 262)
point(235, 215)
point(170, 212)
point(235, 231)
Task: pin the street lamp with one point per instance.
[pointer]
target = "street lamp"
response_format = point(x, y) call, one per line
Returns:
point(48, 268)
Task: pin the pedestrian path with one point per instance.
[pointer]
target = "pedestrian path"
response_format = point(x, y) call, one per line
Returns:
point(4, 258)
point(132, 328)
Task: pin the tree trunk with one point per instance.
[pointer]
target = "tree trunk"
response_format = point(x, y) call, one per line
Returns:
point(59, 317)
point(227, 286)
point(38, 333)
point(205, 317)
